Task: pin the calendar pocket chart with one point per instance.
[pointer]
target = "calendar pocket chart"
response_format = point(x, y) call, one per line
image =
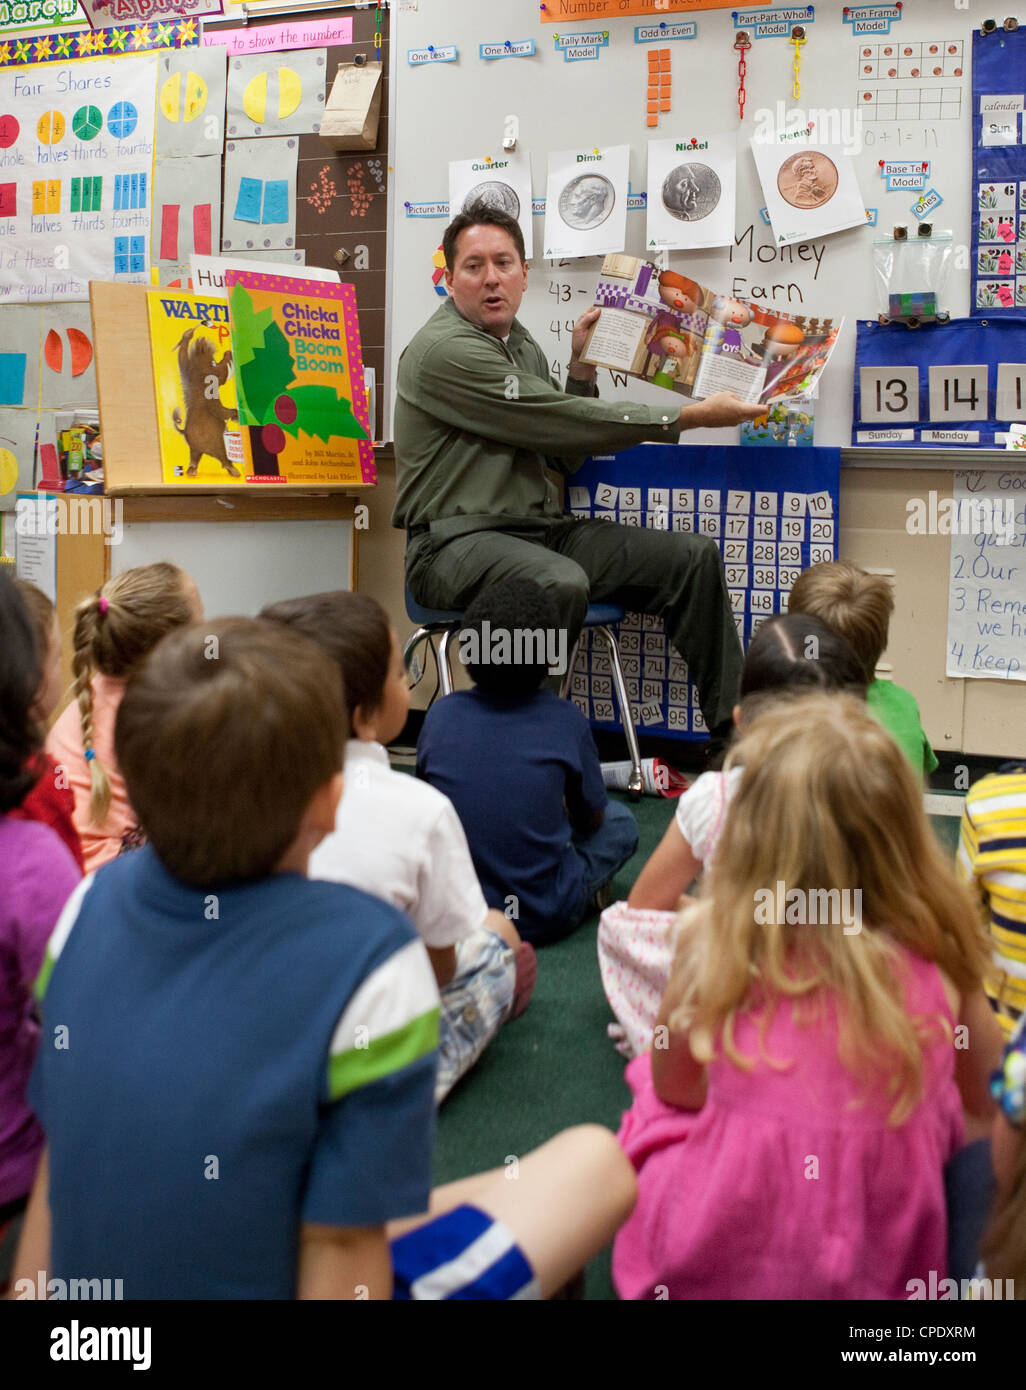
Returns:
point(998, 226)
point(956, 384)
point(769, 517)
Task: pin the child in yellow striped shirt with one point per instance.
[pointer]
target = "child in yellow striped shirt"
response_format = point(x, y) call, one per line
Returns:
point(992, 858)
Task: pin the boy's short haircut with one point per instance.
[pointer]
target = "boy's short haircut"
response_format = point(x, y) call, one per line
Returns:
point(353, 630)
point(225, 732)
point(855, 604)
point(520, 615)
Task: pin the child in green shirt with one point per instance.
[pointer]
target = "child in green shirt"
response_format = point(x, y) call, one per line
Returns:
point(859, 605)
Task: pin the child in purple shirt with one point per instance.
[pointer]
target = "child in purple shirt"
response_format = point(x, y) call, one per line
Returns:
point(37, 875)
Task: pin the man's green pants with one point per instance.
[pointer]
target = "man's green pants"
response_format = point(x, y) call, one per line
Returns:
point(675, 575)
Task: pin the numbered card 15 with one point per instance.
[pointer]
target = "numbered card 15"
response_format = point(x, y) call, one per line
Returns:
point(959, 384)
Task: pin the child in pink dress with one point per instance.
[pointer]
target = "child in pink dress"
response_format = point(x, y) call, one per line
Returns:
point(788, 655)
point(791, 1124)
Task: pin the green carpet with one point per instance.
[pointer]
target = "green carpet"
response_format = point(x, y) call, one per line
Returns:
point(555, 1066)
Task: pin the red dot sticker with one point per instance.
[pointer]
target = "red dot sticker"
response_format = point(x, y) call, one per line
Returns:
point(9, 131)
point(272, 438)
point(285, 409)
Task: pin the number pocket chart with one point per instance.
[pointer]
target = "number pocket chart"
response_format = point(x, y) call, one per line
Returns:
point(998, 265)
point(956, 384)
point(770, 517)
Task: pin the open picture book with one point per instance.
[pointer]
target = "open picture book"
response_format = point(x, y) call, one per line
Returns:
point(665, 328)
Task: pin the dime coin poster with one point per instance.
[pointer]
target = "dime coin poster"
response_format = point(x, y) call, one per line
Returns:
point(504, 183)
point(299, 379)
point(76, 168)
point(586, 201)
point(810, 188)
point(691, 188)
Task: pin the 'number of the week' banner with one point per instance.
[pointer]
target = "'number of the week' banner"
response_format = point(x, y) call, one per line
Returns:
point(561, 10)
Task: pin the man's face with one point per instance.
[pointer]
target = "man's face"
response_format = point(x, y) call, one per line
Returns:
point(488, 278)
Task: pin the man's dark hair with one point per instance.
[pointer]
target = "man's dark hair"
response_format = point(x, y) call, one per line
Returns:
point(480, 214)
point(513, 606)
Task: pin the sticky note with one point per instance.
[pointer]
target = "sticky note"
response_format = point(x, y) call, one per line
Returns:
point(12, 377)
point(664, 105)
point(276, 201)
point(247, 205)
point(201, 239)
point(652, 120)
point(653, 106)
point(169, 232)
point(664, 79)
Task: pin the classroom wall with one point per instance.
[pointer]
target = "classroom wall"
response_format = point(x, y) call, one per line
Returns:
point(456, 111)
point(983, 718)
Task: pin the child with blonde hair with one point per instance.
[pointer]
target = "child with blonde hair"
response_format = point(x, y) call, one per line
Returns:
point(114, 630)
point(859, 605)
point(788, 656)
point(823, 1026)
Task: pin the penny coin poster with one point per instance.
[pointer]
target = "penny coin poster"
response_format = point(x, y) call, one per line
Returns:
point(691, 192)
point(76, 174)
point(503, 182)
point(810, 188)
point(586, 201)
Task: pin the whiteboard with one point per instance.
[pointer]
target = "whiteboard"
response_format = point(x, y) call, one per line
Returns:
point(241, 566)
point(456, 110)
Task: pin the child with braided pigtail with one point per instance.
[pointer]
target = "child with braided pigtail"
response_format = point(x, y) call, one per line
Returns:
point(114, 630)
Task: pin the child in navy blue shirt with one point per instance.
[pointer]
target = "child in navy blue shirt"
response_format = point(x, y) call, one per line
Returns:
point(237, 1064)
point(521, 768)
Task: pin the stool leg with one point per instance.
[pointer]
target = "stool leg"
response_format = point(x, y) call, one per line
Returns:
point(634, 783)
point(444, 668)
point(412, 643)
point(564, 687)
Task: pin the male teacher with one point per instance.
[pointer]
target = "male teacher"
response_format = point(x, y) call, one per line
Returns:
point(479, 421)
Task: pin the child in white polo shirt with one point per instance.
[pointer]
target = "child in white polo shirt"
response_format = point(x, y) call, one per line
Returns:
point(399, 839)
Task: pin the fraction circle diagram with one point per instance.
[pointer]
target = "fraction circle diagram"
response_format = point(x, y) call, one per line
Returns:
point(87, 122)
point(50, 128)
point(80, 355)
point(586, 201)
point(691, 192)
point(807, 179)
point(9, 131)
point(122, 119)
point(183, 96)
point(258, 100)
point(8, 472)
